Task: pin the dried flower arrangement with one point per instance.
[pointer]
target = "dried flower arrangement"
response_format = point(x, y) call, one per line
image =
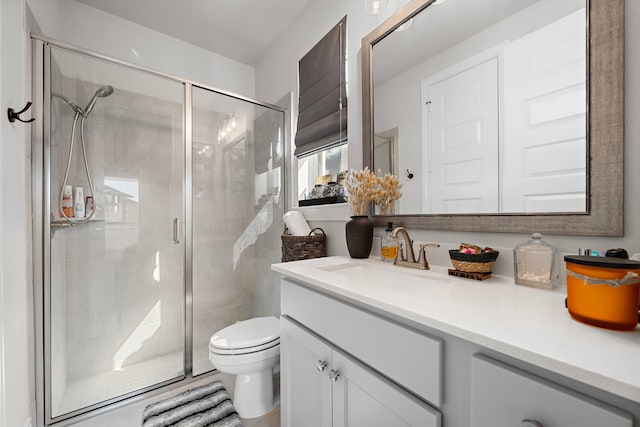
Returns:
point(387, 192)
point(361, 186)
point(364, 187)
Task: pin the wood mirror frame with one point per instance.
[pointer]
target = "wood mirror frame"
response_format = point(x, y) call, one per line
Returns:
point(605, 154)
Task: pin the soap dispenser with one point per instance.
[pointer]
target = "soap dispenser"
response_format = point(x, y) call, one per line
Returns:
point(389, 246)
point(535, 263)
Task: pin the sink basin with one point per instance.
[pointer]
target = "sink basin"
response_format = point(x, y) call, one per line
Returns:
point(383, 275)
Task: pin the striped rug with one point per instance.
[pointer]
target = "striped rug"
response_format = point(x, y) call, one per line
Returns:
point(208, 405)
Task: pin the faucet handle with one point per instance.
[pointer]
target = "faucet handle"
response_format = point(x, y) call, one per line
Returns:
point(422, 254)
point(429, 245)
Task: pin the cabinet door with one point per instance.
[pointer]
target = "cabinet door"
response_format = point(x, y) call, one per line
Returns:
point(362, 397)
point(503, 396)
point(306, 390)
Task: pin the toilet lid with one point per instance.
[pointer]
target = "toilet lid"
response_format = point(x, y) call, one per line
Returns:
point(247, 333)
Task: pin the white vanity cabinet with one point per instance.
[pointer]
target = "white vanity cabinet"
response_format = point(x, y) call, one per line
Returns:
point(503, 396)
point(335, 360)
point(439, 351)
point(323, 387)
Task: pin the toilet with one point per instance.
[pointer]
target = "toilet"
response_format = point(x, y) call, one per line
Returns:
point(250, 350)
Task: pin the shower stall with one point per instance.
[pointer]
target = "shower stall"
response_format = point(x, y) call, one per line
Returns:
point(177, 203)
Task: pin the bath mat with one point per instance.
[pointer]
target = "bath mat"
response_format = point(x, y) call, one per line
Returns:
point(208, 405)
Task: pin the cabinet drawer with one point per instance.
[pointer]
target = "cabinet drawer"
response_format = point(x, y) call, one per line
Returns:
point(503, 396)
point(409, 358)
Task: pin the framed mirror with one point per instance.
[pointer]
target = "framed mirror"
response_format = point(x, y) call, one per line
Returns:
point(507, 114)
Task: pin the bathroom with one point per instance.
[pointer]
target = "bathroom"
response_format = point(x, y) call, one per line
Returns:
point(270, 79)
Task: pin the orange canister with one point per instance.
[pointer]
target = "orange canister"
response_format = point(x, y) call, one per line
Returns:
point(603, 291)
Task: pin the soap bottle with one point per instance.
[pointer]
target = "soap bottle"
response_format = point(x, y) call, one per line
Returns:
point(389, 246)
point(67, 202)
point(78, 207)
point(534, 263)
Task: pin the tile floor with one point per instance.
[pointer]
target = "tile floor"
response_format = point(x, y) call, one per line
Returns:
point(272, 419)
point(130, 415)
point(98, 388)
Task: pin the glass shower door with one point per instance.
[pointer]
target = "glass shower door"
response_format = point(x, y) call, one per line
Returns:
point(238, 202)
point(116, 296)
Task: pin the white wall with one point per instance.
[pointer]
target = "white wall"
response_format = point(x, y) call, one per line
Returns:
point(78, 24)
point(16, 332)
point(277, 73)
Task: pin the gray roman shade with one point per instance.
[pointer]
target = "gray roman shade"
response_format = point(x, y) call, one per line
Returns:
point(322, 105)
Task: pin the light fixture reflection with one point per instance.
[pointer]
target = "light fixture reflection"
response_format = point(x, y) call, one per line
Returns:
point(405, 25)
point(374, 7)
point(228, 129)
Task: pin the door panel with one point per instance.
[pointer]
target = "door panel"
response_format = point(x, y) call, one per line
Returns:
point(364, 398)
point(462, 141)
point(237, 209)
point(545, 145)
point(503, 396)
point(306, 389)
point(116, 286)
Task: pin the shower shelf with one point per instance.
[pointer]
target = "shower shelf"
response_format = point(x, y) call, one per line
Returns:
point(59, 224)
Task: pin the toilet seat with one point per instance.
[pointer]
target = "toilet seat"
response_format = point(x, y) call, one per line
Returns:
point(247, 336)
point(245, 350)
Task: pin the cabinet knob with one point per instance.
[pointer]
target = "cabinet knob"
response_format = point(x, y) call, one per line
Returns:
point(530, 423)
point(321, 365)
point(333, 375)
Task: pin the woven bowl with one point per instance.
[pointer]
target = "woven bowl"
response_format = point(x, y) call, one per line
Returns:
point(473, 263)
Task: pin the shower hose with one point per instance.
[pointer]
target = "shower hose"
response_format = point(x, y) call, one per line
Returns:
point(86, 168)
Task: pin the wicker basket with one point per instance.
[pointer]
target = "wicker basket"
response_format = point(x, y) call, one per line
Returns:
point(295, 248)
point(473, 263)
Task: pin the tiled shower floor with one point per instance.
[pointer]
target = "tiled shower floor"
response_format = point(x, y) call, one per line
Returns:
point(90, 390)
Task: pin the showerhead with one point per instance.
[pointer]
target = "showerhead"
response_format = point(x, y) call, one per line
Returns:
point(102, 92)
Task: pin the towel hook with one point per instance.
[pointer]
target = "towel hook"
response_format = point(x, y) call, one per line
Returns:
point(13, 116)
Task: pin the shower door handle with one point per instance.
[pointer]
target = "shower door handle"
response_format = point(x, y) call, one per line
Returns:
point(176, 231)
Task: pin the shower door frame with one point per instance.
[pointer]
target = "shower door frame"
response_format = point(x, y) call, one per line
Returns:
point(41, 200)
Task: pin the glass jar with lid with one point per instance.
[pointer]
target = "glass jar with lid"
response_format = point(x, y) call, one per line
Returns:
point(317, 191)
point(535, 263)
point(331, 189)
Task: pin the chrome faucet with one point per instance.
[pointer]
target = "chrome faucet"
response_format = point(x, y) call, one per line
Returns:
point(410, 259)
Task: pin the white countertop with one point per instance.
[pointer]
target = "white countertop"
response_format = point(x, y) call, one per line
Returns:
point(526, 323)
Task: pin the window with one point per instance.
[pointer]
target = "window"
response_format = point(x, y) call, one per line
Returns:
point(322, 110)
point(331, 161)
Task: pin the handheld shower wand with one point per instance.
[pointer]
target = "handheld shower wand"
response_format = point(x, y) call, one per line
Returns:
point(102, 92)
